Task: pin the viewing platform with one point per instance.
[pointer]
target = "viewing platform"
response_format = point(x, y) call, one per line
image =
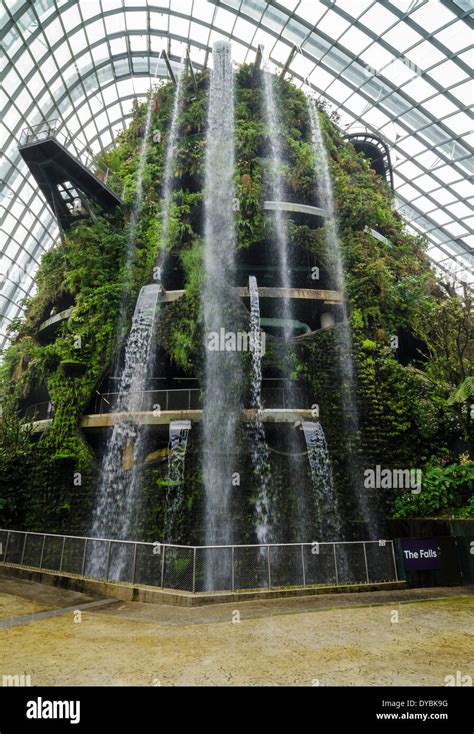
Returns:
point(65, 179)
point(161, 407)
point(312, 294)
point(295, 208)
point(49, 327)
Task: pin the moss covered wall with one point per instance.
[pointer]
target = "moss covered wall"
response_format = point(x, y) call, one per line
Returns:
point(408, 413)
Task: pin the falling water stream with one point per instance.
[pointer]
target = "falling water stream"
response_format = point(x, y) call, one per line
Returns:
point(170, 161)
point(276, 187)
point(119, 495)
point(259, 450)
point(175, 497)
point(325, 498)
point(134, 218)
point(222, 374)
point(118, 498)
point(302, 525)
point(344, 332)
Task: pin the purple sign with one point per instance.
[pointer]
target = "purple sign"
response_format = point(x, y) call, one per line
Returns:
point(420, 554)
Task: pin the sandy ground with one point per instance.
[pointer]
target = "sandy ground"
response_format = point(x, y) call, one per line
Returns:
point(12, 606)
point(134, 644)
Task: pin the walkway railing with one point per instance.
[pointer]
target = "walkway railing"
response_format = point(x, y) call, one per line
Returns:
point(273, 398)
point(203, 568)
point(51, 129)
point(163, 400)
point(40, 411)
point(190, 399)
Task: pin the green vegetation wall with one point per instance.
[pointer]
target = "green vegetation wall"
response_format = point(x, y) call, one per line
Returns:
point(415, 412)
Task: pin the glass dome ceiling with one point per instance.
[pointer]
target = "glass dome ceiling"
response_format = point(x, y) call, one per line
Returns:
point(399, 68)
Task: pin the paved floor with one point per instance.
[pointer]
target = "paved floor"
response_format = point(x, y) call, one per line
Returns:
point(413, 637)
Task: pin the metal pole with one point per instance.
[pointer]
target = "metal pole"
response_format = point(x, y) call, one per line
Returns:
point(194, 569)
point(335, 563)
point(23, 551)
point(109, 549)
point(134, 573)
point(233, 571)
point(366, 564)
point(302, 564)
point(268, 565)
point(395, 567)
point(42, 551)
point(84, 559)
point(6, 547)
point(62, 554)
point(163, 566)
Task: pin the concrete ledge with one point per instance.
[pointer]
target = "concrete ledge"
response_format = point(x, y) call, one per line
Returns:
point(170, 296)
point(56, 319)
point(154, 595)
point(377, 236)
point(144, 417)
point(150, 418)
point(291, 206)
point(312, 294)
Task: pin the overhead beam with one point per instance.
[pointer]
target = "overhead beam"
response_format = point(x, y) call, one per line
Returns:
point(259, 57)
point(191, 68)
point(165, 56)
point(295, 49)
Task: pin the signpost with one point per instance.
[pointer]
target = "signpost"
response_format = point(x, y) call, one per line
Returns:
point(420, 554)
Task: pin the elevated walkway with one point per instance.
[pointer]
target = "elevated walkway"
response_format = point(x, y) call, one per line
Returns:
point(66, 182)
point(295, 208)
point(165, 417)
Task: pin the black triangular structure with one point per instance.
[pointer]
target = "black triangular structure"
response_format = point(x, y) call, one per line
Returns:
point(67, 184)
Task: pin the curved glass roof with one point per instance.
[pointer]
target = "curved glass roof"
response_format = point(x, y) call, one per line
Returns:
point(399, 68)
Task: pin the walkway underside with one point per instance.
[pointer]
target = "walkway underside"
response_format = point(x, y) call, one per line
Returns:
point(152, 418)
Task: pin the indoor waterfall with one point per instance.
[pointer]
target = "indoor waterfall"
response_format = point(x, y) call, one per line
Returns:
point(175, 497)
point(276, 187)
point(343, 329)
point(118, 496)
point(223, 379)
point(324, 497)
point(277, 193)
point(259, 450)
point(134, 218)
point(119, 493)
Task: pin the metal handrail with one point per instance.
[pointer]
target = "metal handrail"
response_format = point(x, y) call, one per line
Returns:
point(198, 547)
point(109, 397)
point(51, 129)
point(186, 582)
point(39, 411)
point(288, 399)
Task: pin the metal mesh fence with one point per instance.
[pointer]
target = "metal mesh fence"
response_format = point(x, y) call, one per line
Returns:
point(149, 566)
point(52, 552)
point(319, 564)
point(14, 547)
point(213, 569)
point(96, 558)
point(204, 568)
point(380, 561)
point(251, 567)
point(351, 567)
point(33, 549)
point(178, 568)
point(286, 566)
point(120, 561)
point(3, 544)
point(73, 556)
